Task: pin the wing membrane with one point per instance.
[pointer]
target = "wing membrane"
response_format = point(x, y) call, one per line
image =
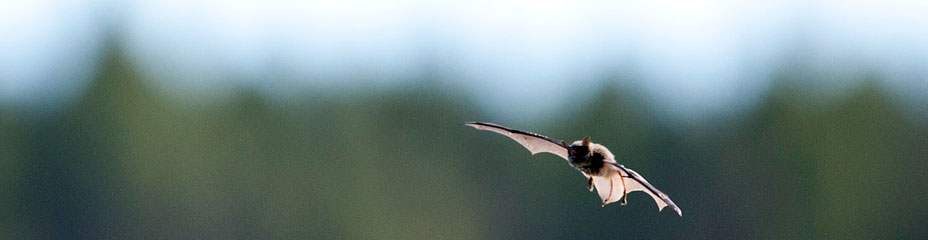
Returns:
point(535, 143)
point(610, 189)
point(635, 182)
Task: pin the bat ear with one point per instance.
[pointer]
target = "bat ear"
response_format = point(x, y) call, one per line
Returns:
point(586, 142)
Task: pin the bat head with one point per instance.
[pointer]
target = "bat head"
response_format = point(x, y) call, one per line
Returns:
point(579, 150)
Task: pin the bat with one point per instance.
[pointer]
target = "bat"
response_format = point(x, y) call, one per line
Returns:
point(612, 180)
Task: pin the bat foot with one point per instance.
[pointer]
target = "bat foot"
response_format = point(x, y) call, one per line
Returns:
point(589, 184)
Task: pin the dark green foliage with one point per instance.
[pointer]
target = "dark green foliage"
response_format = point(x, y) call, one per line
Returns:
point(397, 164)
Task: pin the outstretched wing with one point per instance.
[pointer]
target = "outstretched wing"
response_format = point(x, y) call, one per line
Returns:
point(534, 142)
point(612, 187)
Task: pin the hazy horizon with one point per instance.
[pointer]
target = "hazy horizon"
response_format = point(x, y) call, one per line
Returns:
point(690, 59)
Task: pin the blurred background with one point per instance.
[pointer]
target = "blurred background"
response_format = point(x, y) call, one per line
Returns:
point(342, 119)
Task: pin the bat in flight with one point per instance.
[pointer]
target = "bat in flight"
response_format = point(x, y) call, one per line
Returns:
point(612, 180)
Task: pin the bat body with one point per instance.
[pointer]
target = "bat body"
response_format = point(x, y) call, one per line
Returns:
point(611, 180)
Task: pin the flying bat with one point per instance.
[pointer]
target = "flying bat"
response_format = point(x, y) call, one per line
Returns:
point(612, 180)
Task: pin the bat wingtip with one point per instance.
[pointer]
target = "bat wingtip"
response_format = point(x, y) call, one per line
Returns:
point(675, 209)
point(473, 123)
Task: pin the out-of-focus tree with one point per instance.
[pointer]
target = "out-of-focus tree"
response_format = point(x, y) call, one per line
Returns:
point(125, 162)
point(13, 159)
point(868, 172)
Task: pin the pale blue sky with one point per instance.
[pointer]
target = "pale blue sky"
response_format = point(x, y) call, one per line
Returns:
point(689, 58)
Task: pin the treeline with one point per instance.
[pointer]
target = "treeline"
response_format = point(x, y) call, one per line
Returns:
point(123, 162)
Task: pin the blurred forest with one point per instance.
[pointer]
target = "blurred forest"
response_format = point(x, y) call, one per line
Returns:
point(124, 162)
